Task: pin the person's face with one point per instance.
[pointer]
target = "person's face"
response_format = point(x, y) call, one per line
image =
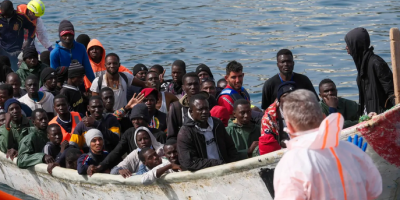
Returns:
point(77, 81)
point(95, 52)
point(112, 65)
point(285, 64)
point(171, 152)
point(191, 86)
point(7, 13)
point(2, 119)
point(143, 139)
point(235, 80)
point(51, 82)
point(200, 111)
point(348, 50)
point(3, 97)
point(54, 135)
point(242, 114)
point(67, 39)
point(41, 120)
point(154, 80)
point(209, 87)
point(152, 159)
point(15, 112)
point(203, 74)
point(32, 86)
point(155, 70)
point(150, 102)
point(31, 15)
point(31, 61)
point(108, 99)
point(138, 122)
point(177, 74)
point(222, 84)
point(96, 145)
point(15, 82)
point(327, 89)
point(141, 75)
point(61, 106)
point(96, 108)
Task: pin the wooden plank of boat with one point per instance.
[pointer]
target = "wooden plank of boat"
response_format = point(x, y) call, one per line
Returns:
point(239, 180)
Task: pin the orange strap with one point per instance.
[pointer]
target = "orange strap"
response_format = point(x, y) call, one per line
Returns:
point(5, 196)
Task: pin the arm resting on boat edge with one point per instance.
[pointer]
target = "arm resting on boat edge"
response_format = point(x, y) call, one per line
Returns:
point(26, 155)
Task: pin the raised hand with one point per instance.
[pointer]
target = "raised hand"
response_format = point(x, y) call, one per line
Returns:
point(88, 120)
point(64, 145)
point(358, 141)
point(161, 76)
point(136, 99)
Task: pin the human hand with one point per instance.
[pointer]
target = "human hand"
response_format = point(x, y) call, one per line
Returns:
point(251, 148)
point(125, 173)
point(331, 101)
point(136, 99)
point(11, 153)
point(64, 145)
point(174, 166)
point(51, 166)
point(161, 76)
point(88, 120)
point(92, 169)
point(358, 142)
point(48, 159)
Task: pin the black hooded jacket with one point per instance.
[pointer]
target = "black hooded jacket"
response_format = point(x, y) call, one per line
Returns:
point(374, 78)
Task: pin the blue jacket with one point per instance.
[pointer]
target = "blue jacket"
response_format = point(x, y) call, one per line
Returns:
point(62, 57)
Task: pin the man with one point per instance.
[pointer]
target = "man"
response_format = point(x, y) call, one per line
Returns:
point(34, 10)
point(107, 124)
point(178, 110)
point(160, 70)
point(243, 131)
point(164, 98)
point(6, 92)
point(30, 65)
point(158, 119)
point(204, 72)
point(140, 71)
point(14, 80)
point(36, 99)
point(171, 151)
point(208, 85)
point(13, 23)
point(203, 141)
point(318, 165)
point(97, 58)
point(67, 49)
point(374, 78)
point(14, 129)
point(83, 39)
point(88, 163)
point(285, 65)
point(49, 80)
point(234, 90)
point(178, 69)
point(65, 119)
point(31, 146)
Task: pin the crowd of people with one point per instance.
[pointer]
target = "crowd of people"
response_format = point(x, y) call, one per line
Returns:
point(77, 107)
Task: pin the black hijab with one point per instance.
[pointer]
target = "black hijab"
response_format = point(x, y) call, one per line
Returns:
point(358, 42)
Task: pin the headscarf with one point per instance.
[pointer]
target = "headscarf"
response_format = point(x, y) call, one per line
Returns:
point(358, 42)
point(157, 146)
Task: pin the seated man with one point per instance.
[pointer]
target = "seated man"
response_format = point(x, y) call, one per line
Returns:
point(243, 131)
point(107, 124)
point(14, 80)
point(31, 146)
point(6, 92)
point(178, 69)
point(158, 119)
point(203, 141)
point(164, 98)
point(208, 85)
point(49, 80)
point(171, 151)
point(204, 72)
point(68, 159)
point(30, 65)
point(54, 147)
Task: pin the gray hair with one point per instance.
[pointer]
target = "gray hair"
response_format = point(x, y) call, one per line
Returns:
point(302, 110)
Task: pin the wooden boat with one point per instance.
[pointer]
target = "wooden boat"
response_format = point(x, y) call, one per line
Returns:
point(239, 180)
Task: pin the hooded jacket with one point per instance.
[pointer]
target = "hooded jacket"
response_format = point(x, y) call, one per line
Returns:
point(11, 138)
point(243, 136)
point(87, 159)
point(24, 72)
point(99, 69)
point(374, 78)
point(30, 150)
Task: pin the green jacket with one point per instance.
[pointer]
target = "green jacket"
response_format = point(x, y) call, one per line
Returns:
point(24, 72)
point(348, 108)
point(31, 147)
point(10, 139)
point(243, 136)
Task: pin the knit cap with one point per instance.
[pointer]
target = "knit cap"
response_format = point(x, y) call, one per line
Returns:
point(92, 133)
point(30, 52)
point(203, 67)
point(140, 111)
point(139, 67)
point(66, 27)
point(47, 73)
point(9, 102)
point(75, 69)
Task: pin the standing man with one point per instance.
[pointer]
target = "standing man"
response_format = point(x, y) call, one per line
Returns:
point(374, 78)
point(158, 119)
point(13, 23)
point(140, 71)
point(178, 69)
point(285, 64)
point(204, 72)
point(164, 98)
point(49, 80)
point(208, 85)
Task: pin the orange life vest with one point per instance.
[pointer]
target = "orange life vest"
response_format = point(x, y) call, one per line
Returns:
point(75, 117)
point(22, 8)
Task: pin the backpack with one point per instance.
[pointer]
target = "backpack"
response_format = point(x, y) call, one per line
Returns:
point(100, 80)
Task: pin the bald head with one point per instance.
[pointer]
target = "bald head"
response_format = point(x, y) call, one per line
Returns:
point(12, 77)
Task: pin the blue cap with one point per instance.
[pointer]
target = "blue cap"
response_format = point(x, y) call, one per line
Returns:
point(285, 87)
point(9, 102)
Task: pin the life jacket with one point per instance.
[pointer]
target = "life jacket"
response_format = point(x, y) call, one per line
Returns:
point(75, 117)
point(22, 8)
point(234, 94)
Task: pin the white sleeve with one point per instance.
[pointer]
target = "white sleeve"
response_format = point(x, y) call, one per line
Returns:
point(94, 87)
point(41, 33)
point(130, 162)
point(151, 176)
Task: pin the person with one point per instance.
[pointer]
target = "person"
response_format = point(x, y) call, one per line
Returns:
point(143, 138)
point(44, 57)
point(243, 131)
point(15, 128)
point(35, 10)
point(83, 39)
point(54, 147)
point(273, 122)
point(14, 80)
point(331, 103)
point(222, 83)
point(164, 98)
point(204, 72)
point(234, 90)
point(97, 57)
point(208, 85)
point(12, 37)
point(49, 79)
point(203, 141)
point(67, 120)
point(88, 162)
point(30, 65)
point(178, 110)
point(68, 159)
point(67, 49)
point(374, 78)
point(325, 167)
point(139, 118)
point(158, 119)
point(35, 98)
point(285, 64)
point(154, 166)
point(221, 113)
point(160, 70)
point(2, 118)
point(171, 151)
point(107, 124)
point(5, 69)
point(77, 101)
point(178, 69)
point(140, 71)
point(6, 92)
point(31, 146)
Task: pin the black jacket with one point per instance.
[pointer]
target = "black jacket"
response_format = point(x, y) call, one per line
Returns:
point(192, 148)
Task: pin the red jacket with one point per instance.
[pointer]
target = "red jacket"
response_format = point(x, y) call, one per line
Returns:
point(227, 101)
